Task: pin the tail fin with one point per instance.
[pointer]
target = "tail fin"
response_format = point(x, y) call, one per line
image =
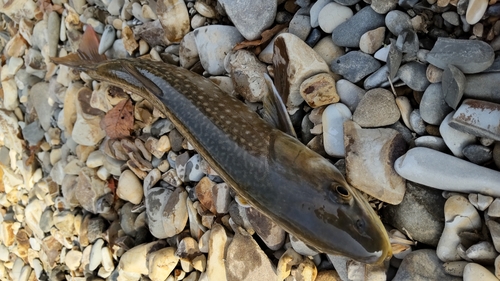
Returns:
point(87, 54)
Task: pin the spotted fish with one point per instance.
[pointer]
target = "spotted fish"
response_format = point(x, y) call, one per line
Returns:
point(272, 170)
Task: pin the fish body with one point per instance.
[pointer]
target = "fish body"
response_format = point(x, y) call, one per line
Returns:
point(277, 174)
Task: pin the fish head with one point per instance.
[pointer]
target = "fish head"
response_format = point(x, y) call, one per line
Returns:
point(325, 211)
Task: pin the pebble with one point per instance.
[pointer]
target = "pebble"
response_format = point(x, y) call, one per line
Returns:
point(372, 40)
point(319, 90)
point(455, 140)
point(383, 6)
point(129, 187)
point(244, 13)
point(479, 86)
point(478, 118)
point(377, 108)
point(134, 261)
point(378, 79)
point(214, 197)
point(397, 21)
point(174, 19)
point(416, 122)
point(475, 11)
point(107, 39)
point(414, 76)
point(470, 56)
point(328, 50)
point(33, 133)
point(294, 61)
point(350, 94)
point(299, 26)
point(315, 10)
point(432, 142)
point(420, 214)
point(247, 75)
point(478, 154)
point(271, 233)
point(453, 85)
point(245, 260)
point(354, 65)
point(213, 43)
point(332, 15)
point(445, 172)
point(348, 34)
point(333, 119)
point(369, 173)
point(161, 263)
point(216, 269)
point(474, 271)
point(482, 252)
point(422, 265)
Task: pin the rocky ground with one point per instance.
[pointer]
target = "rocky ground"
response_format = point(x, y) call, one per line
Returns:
point(403, 97)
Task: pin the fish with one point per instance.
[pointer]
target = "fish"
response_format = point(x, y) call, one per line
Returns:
point(261, 160)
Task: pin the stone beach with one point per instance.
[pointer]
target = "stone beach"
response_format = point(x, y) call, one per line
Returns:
point(402, 96)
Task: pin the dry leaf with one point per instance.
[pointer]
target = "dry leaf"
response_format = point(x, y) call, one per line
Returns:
point(119, 121)
point(266, 35)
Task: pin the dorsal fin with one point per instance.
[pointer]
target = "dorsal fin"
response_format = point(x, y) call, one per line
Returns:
point(87, 53)
point(275, 112)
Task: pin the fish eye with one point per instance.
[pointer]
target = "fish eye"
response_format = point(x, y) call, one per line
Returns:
point(342, 191)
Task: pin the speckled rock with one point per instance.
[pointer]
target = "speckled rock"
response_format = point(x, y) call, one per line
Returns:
point(319, 90)
point(377, 108)
point(354, 65)
point(247, 74)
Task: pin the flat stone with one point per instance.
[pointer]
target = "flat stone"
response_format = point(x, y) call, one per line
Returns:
point(33, 133)
point(216, 269)
point(245, 260)
point(377, 108)
point(355, 65)
point(332, 15)
point(333, 119)
point(319, 90)
point(470, 56)
point(453, 85)
point(455, 140)
point(420, 214)
point(442, 171)
point(213, 43)
point(379, 79)
point(315, 10)
point(417, 123)
point(479, 118)
point(383, 6)
point(243, 15)
point(366, 152)
point(39, 96)
point(478, 154)
point(397, 21)
point(474, 271)
point(348, 34)
point(433, 107)
point(350, 94)
point(423, 265)
point(271, 233)
point(413, 74)
point(294, 61)
point(481, 86)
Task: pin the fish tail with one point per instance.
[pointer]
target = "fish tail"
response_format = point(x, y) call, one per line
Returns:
point(87, 54)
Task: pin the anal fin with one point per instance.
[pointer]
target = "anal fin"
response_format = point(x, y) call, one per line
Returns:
point(275, 112)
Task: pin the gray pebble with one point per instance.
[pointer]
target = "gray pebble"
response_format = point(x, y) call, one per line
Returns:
point(433, 142)
point(397, 21)
point(347, 2)
point(300, 26)
point(47, 220)
point(417, 124)
point(107, 39)
point(378, 78)
point(33, 133)
point(495, 67)
point(355, 65)
point(409, 44)
point(478, 154)
point(423, 265)
point(413, 74)
point(54, 23)
point(348, 34)
point(433, 108)
point(394, 58)
point(243, 14)
point(470, 56)
point(451, 17)
point(403, 130)
point(420, 214)
point(453, 84)
point(482, 86)
point(349, 94)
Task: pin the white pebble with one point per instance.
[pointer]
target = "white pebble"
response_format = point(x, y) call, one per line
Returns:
point(333, 128)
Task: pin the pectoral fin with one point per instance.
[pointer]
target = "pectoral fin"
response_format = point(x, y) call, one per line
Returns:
point(275, 112)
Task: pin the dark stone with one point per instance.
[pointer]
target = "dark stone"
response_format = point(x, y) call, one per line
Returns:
point(349, 32)
point(413, 74)
point(483, 86)
point(453, 84)
point(433, 108)
point(314, 37)
point(478, 154)
point(355, 65)
point(176, 140)
point(420, 214)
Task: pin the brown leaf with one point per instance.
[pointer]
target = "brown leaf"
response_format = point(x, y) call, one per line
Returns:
point(266, 35)
point(119, 121)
